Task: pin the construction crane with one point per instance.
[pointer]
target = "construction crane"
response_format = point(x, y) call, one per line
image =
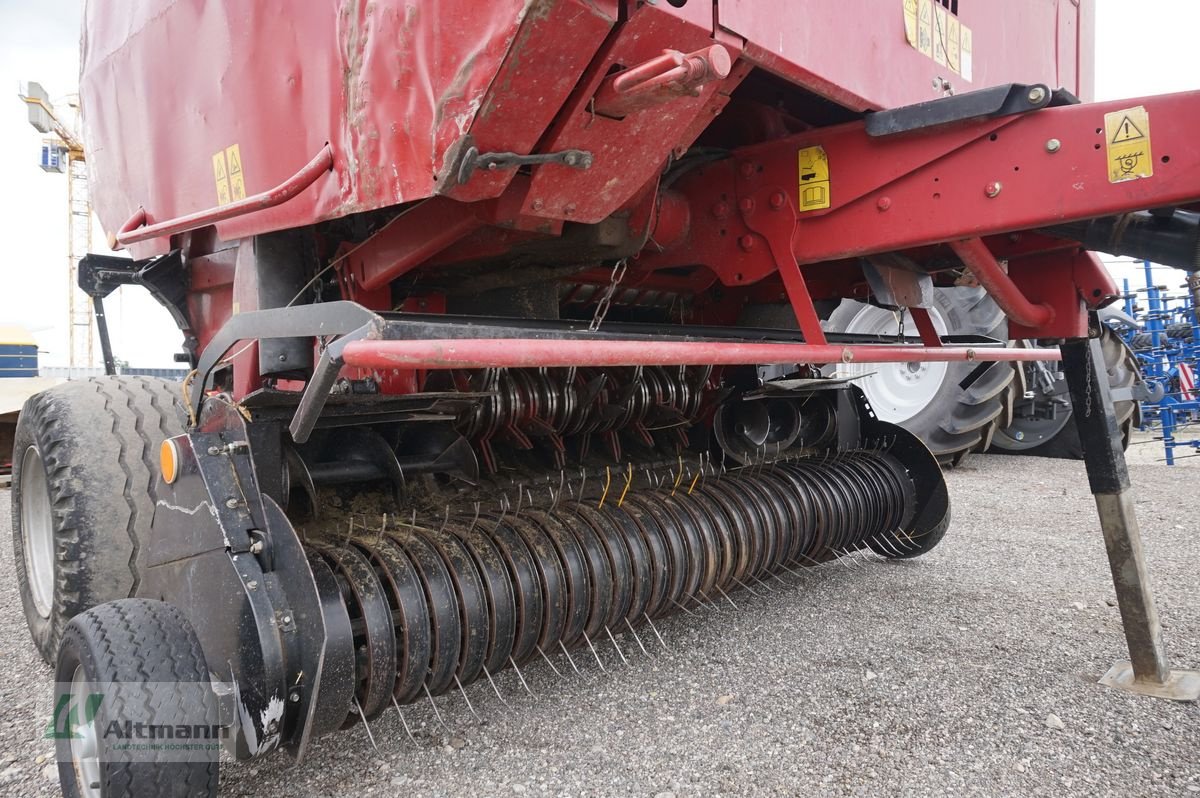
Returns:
point(63, 153)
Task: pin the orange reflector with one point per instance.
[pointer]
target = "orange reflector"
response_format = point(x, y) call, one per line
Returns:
point(168, 461)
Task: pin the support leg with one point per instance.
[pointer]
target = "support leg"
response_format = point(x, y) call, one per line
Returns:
point(1147, 671)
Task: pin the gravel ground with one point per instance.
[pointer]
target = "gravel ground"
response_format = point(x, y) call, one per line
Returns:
point(930, 677)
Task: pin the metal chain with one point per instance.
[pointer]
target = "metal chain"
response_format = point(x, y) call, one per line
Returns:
point(618, 274)
point(899, 314)
point(1091, 379)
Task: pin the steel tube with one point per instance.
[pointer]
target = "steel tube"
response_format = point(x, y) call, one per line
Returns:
point(983, 264)
point(132, 232)
point(533, 353)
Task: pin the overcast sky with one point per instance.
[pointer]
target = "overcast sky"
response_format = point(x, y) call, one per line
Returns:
point(1144, 47)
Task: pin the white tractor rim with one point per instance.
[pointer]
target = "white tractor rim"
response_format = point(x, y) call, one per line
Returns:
point(37, 531)
point(85, 743)
point(896, 391)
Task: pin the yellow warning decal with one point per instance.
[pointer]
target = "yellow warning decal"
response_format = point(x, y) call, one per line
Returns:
point(237, 183)
point(814, 179)
point(1127, 134)
point(221, 175)
point(910, 21)
point(940, 35)
point(925, 27)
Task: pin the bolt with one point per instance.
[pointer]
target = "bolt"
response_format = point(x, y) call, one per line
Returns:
point(971, 354)
point(1019, 435)
point(294, 698)
point(778, 200)
point(748, 170)
point(993, 189)
point(252, 585)
point(1053, 145)
point(569, 208)
point(720, 210)
point(746, 205)
point(231, 503)
point(282, 357)
point(570, 159)
point(256, 547)
point(214, 450)
point(537, 205)
point(746, 242)
point(287, 619)
point(1037, 94)
point(884, 203)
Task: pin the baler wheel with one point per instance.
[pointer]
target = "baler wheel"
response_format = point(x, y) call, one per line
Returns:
point(143, 662)
point(1061, 439)
point(85, 471)
point(955, 408)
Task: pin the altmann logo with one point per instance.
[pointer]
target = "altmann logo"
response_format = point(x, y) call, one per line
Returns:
point(70, 718)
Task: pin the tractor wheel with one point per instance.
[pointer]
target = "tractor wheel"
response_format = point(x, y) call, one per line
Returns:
point(955, 408)
point(133, 664)
point(1043, 426)
point(85, 471)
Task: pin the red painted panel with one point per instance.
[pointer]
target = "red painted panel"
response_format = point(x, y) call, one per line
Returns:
point(855, 52)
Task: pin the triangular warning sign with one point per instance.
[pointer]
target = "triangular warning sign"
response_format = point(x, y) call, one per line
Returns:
point(1127, 131)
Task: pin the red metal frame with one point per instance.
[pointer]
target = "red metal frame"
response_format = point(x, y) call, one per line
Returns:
point(536, 353)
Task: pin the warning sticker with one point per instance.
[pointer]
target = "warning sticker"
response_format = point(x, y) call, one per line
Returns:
point(221, 175)
point(953, 50)
point(966, 54)
point(814, 179)
point(925, 27)
point(1127, 134)
point(910, 21)
point(940, 26)
point(237, 183)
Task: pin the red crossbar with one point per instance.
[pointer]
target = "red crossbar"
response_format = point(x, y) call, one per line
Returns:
point(534, 353)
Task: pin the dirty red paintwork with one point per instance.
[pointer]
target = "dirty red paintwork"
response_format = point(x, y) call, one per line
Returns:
point(395, 85)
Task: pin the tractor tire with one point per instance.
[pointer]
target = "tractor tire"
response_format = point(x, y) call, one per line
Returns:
point(1180, 332)
point(85, 472)
point(1061, 440)
point(955, 408)
point(135, 661)
point(1141, 342)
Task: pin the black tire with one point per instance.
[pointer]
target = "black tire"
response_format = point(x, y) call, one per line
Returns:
point(143, 659)
point(1141, 342)
point(974, 399)
point(1121, 364)
point(1180, 332)
point(85, 471)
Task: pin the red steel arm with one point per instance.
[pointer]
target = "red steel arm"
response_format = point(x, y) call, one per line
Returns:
point(133, 231)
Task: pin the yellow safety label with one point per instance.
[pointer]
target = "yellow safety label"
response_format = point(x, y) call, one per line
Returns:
point(925, 27)
point(237, 183)
point(1127, 134)
point(966, 65)
point(814, 179)
point(953, 48)
point(221, 175)
point(910, 21)
point(940, 34)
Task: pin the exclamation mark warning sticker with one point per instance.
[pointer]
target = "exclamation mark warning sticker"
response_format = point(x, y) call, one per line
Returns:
point(221, 176)
point(814, 179)
point(1127, 134)
point(237, 182)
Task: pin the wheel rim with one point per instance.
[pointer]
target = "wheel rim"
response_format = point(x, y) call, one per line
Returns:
point(85, 745)
point(896, 391)
point(37, 532)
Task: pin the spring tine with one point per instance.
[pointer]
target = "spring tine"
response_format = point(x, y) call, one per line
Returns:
point(635, 637)
point(607, 485)
point(791, 571)
point(436, 711)
point(656, 634)
point(614, 642)
point(775, 576)
point(887, 544)
point(349, 533)
point(582, 485)
point(551, 664)
point(906, 547)
point(680, 606)
point(569, 658)
point(628, 482)
point(744, 585)
point(727, 598)
point(464, 695)
point(520, 500)
point(562, 481)
point(404, 722)
point(366, 725)
point(762, 584)
point(521, 676)
point(445, 520)
point(494, 687)
point(594, 654)
point(474, 520)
